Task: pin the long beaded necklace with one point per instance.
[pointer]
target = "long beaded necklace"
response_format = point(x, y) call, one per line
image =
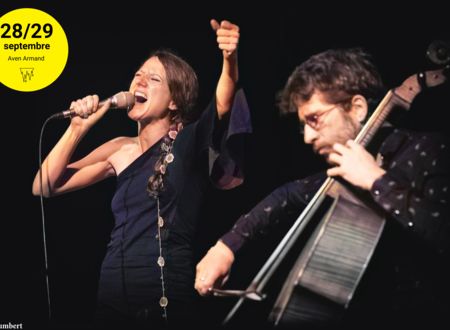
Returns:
point(154, 187)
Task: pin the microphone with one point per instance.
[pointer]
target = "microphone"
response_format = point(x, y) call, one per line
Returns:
point(121, 100)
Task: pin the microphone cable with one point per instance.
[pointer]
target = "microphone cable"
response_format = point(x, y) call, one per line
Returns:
point(44, 237)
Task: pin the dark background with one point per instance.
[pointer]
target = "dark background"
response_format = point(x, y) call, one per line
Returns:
point(106, 45)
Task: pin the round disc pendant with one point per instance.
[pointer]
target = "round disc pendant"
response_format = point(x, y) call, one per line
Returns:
point(163, 302)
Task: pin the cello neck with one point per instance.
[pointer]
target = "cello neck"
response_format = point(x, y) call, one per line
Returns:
point(401, 96)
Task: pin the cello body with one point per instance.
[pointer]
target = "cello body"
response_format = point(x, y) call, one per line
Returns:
point(332, 263)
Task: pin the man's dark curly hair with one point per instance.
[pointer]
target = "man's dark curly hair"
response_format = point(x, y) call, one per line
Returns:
point(337, 73)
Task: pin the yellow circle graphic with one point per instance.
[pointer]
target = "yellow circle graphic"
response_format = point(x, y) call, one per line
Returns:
point(33, 49)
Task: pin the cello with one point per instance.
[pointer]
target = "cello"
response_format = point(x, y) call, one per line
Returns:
point(336, 256)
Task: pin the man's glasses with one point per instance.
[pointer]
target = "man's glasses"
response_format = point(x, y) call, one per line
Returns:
point(316, 120)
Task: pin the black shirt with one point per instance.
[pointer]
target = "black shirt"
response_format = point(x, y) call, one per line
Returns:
point(407, 276)
point(131, 276)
